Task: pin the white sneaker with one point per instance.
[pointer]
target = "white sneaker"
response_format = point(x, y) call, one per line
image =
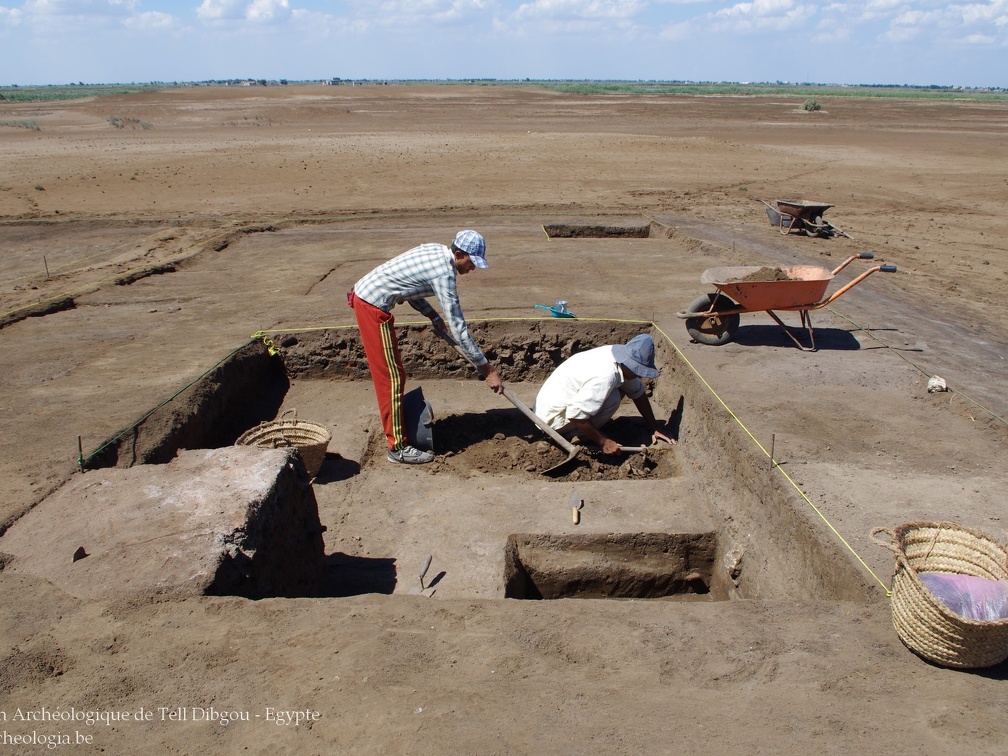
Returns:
point(410, 455)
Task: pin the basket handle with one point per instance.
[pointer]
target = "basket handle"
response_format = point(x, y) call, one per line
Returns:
point(890, 544)
point(290, 411)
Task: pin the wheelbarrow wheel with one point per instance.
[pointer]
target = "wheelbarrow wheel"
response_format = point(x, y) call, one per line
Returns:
point(713, 330)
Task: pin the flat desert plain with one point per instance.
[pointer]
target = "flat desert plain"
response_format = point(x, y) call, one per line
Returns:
point(144, 238)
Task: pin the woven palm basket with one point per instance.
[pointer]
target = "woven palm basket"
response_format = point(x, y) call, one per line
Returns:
point(925, 624)
point(310, 439)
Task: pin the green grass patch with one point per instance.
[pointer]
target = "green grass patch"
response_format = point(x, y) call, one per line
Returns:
point(30, 125)
point(808, 91)
point(647, 87)
point(72, 92)
point(128, 122)
point(254, 121)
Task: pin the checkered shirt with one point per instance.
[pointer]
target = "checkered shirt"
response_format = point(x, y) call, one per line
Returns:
point(426, 270)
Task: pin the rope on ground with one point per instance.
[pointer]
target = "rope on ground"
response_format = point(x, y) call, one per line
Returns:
point(518, 318)
point(56, 270)
point(263, 334)
point(768, 455)
point(913, 364)
point(132, 428)
point(73, 294)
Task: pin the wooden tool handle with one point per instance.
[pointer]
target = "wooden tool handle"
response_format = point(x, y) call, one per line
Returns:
point(543, 425)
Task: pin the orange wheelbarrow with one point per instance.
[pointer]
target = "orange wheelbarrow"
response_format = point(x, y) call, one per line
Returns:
point(714, 318)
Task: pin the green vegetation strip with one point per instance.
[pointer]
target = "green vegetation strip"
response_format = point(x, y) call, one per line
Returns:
point(780, 89)
point(30, 125)
point(72, 92)
point(584, 87)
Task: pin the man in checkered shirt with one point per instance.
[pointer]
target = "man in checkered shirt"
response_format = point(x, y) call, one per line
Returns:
point(426, 270)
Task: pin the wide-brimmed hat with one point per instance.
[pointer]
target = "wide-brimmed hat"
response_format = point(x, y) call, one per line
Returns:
point(638, 355)
point(473, 245)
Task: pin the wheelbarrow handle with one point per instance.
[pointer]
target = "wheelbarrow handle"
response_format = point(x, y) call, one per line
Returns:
point(866, 256)
point(887, 268)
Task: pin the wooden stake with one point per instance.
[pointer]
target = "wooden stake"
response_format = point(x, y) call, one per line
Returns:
point(773, 441)
point(46, 267)
point(80, 454)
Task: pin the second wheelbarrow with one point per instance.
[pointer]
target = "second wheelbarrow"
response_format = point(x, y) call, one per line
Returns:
point(714, 318)
point(801, 215)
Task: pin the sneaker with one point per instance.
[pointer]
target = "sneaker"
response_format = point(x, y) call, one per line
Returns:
point(410, 455)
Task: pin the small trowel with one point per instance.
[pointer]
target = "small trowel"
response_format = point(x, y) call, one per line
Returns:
point(577, 503)
point(423, 590)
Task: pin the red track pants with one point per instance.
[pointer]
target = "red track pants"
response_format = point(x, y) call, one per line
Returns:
point(381, 348)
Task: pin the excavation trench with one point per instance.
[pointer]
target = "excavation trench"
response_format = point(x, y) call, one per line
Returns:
point(702, 519)
point(627, 566)
point(636, 229)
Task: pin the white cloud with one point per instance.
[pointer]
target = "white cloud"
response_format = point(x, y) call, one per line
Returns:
point(151, 21)
point(221, 10)
point(984, 13)
point(10, 16)
point(77, 8)
point(883, 6)
point(254, 11)
point(268, 10)
point(676, 32)
point(899, 34)
point(776, 15)
point(560, 10)
point(758, 9)
point(601, 19)
point(980, 39)
point(908, 41)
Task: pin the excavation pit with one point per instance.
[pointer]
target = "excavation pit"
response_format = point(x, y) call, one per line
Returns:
point(505, 442)
point(487, 482)
point(613, 566)
point(630, 229)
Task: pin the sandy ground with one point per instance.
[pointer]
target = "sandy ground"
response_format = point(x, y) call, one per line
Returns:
point(216, 213)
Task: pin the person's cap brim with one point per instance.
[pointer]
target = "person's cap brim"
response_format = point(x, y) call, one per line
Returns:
point(479, 262)
point(641, 370)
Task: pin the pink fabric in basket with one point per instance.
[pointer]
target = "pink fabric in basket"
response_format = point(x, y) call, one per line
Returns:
point(969, 596)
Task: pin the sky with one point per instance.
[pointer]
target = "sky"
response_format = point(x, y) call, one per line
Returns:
point(874, 42)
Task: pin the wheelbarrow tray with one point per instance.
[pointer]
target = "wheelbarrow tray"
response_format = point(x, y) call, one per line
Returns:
point(778, 219)
point(802, 209)
point(804, 288)
point(800, 215)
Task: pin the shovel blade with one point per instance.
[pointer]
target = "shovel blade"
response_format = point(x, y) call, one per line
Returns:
point(570, 458)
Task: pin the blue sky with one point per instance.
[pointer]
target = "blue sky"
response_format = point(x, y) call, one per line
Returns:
point(875, 42)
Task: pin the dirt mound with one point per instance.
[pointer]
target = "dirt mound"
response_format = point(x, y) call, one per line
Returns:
point(764, 274)
point(503, 442)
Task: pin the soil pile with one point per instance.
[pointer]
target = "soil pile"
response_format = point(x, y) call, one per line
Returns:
point(763, 274)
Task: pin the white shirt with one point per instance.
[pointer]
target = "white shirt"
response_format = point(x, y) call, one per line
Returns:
point(579, 386)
